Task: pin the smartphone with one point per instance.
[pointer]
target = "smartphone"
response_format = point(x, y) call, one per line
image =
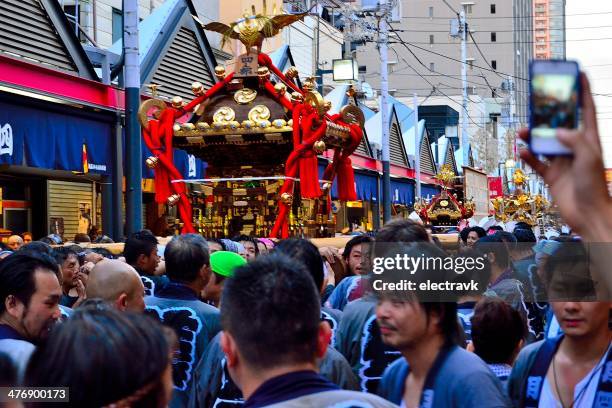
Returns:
point(554, 102)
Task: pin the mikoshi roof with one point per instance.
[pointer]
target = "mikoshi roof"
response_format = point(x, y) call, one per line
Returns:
point(158, 32)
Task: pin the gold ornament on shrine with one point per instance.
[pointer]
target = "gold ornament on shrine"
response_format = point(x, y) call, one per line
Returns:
point(220, 72)
point(152, 162)
point(224, 114)
point(287, 198)
point(245, 96)
point(253, 27)
point(173, 200)
point(446, 175)
point(292, 73)
point(177, 102)
point(280, 89)
point(296, 98)
point(319, 146)
point(259, 113)
point(197, 88)
point(264, 74)
point(520, 205)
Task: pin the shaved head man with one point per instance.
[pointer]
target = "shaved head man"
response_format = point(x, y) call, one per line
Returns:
point(117, 283)
point(15, 242)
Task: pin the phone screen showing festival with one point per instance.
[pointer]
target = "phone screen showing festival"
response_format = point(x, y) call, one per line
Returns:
point(554, 104)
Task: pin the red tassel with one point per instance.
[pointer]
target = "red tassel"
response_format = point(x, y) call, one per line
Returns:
point(309, 176)
point(346, 180)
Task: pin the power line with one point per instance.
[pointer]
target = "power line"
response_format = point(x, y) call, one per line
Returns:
point(511, 17)
point(520, 42)
point(505, 31)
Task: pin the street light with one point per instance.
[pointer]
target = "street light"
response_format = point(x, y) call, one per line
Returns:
point(345, 70)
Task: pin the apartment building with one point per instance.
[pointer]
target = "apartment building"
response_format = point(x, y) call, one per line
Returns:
point(549, 29)
point(499, 47)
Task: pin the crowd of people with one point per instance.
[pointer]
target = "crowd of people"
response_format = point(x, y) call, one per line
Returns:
point(254, 322)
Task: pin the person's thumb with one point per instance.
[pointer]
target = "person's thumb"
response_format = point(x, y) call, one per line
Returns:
point(570, 138)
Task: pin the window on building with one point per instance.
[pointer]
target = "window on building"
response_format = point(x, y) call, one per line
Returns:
point(494, 64)
point(493, 37)
point(470, 62)
point(431, 39)
point(432, 67)
point(492, 8)
point(430, 12)
point(71, 14)
point(468, 8)
point(117, 25)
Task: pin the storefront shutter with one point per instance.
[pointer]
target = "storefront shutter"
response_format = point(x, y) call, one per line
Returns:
point(63, 201)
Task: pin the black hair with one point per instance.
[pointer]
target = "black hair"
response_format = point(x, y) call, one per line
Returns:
point(81, 237)
point(357, 240)
point(104, 239)
point(522, 225)
point(463, 234)
point(567, 273)
point(139, 243)
point(478, 230)
point(495, 244)
point(62, 253)
point(185, 255)
point(75, 247)
point(497, 329)
point(278, 297)
point(247, 239)
point(48, 241)
point(440, 302)
point(95, 304)
point(37, 247)
point(105, 357)
point(402, 231)
point(217, 241)
point(495, 228)
point(8, 371)
point(305, 252)
point(104, 252)
point(481, 276)
point(508, 238)
point(17, 275)
point(524, 235)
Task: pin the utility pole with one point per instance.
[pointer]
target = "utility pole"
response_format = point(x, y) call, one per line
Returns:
point(133, 187)
point(384, 110)
point(417, 143)
point(465, 140)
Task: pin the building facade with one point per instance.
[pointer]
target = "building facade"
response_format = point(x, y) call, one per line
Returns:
point(549, 29)
point(499, 46)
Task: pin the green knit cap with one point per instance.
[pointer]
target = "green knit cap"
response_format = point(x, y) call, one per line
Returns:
point(224, 262)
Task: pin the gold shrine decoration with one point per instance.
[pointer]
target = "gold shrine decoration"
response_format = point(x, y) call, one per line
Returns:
point(245, 95)
point(259, 113)
point(446, 175)
point(252, 28)
point(519, 177)
point(156, 105)
point(520, 205)
point(352, 115)
point(224, 115)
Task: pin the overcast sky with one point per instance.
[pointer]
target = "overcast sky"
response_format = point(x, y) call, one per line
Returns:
point(595, 57)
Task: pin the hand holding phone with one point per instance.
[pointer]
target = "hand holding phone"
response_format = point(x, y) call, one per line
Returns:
point(554, 103)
